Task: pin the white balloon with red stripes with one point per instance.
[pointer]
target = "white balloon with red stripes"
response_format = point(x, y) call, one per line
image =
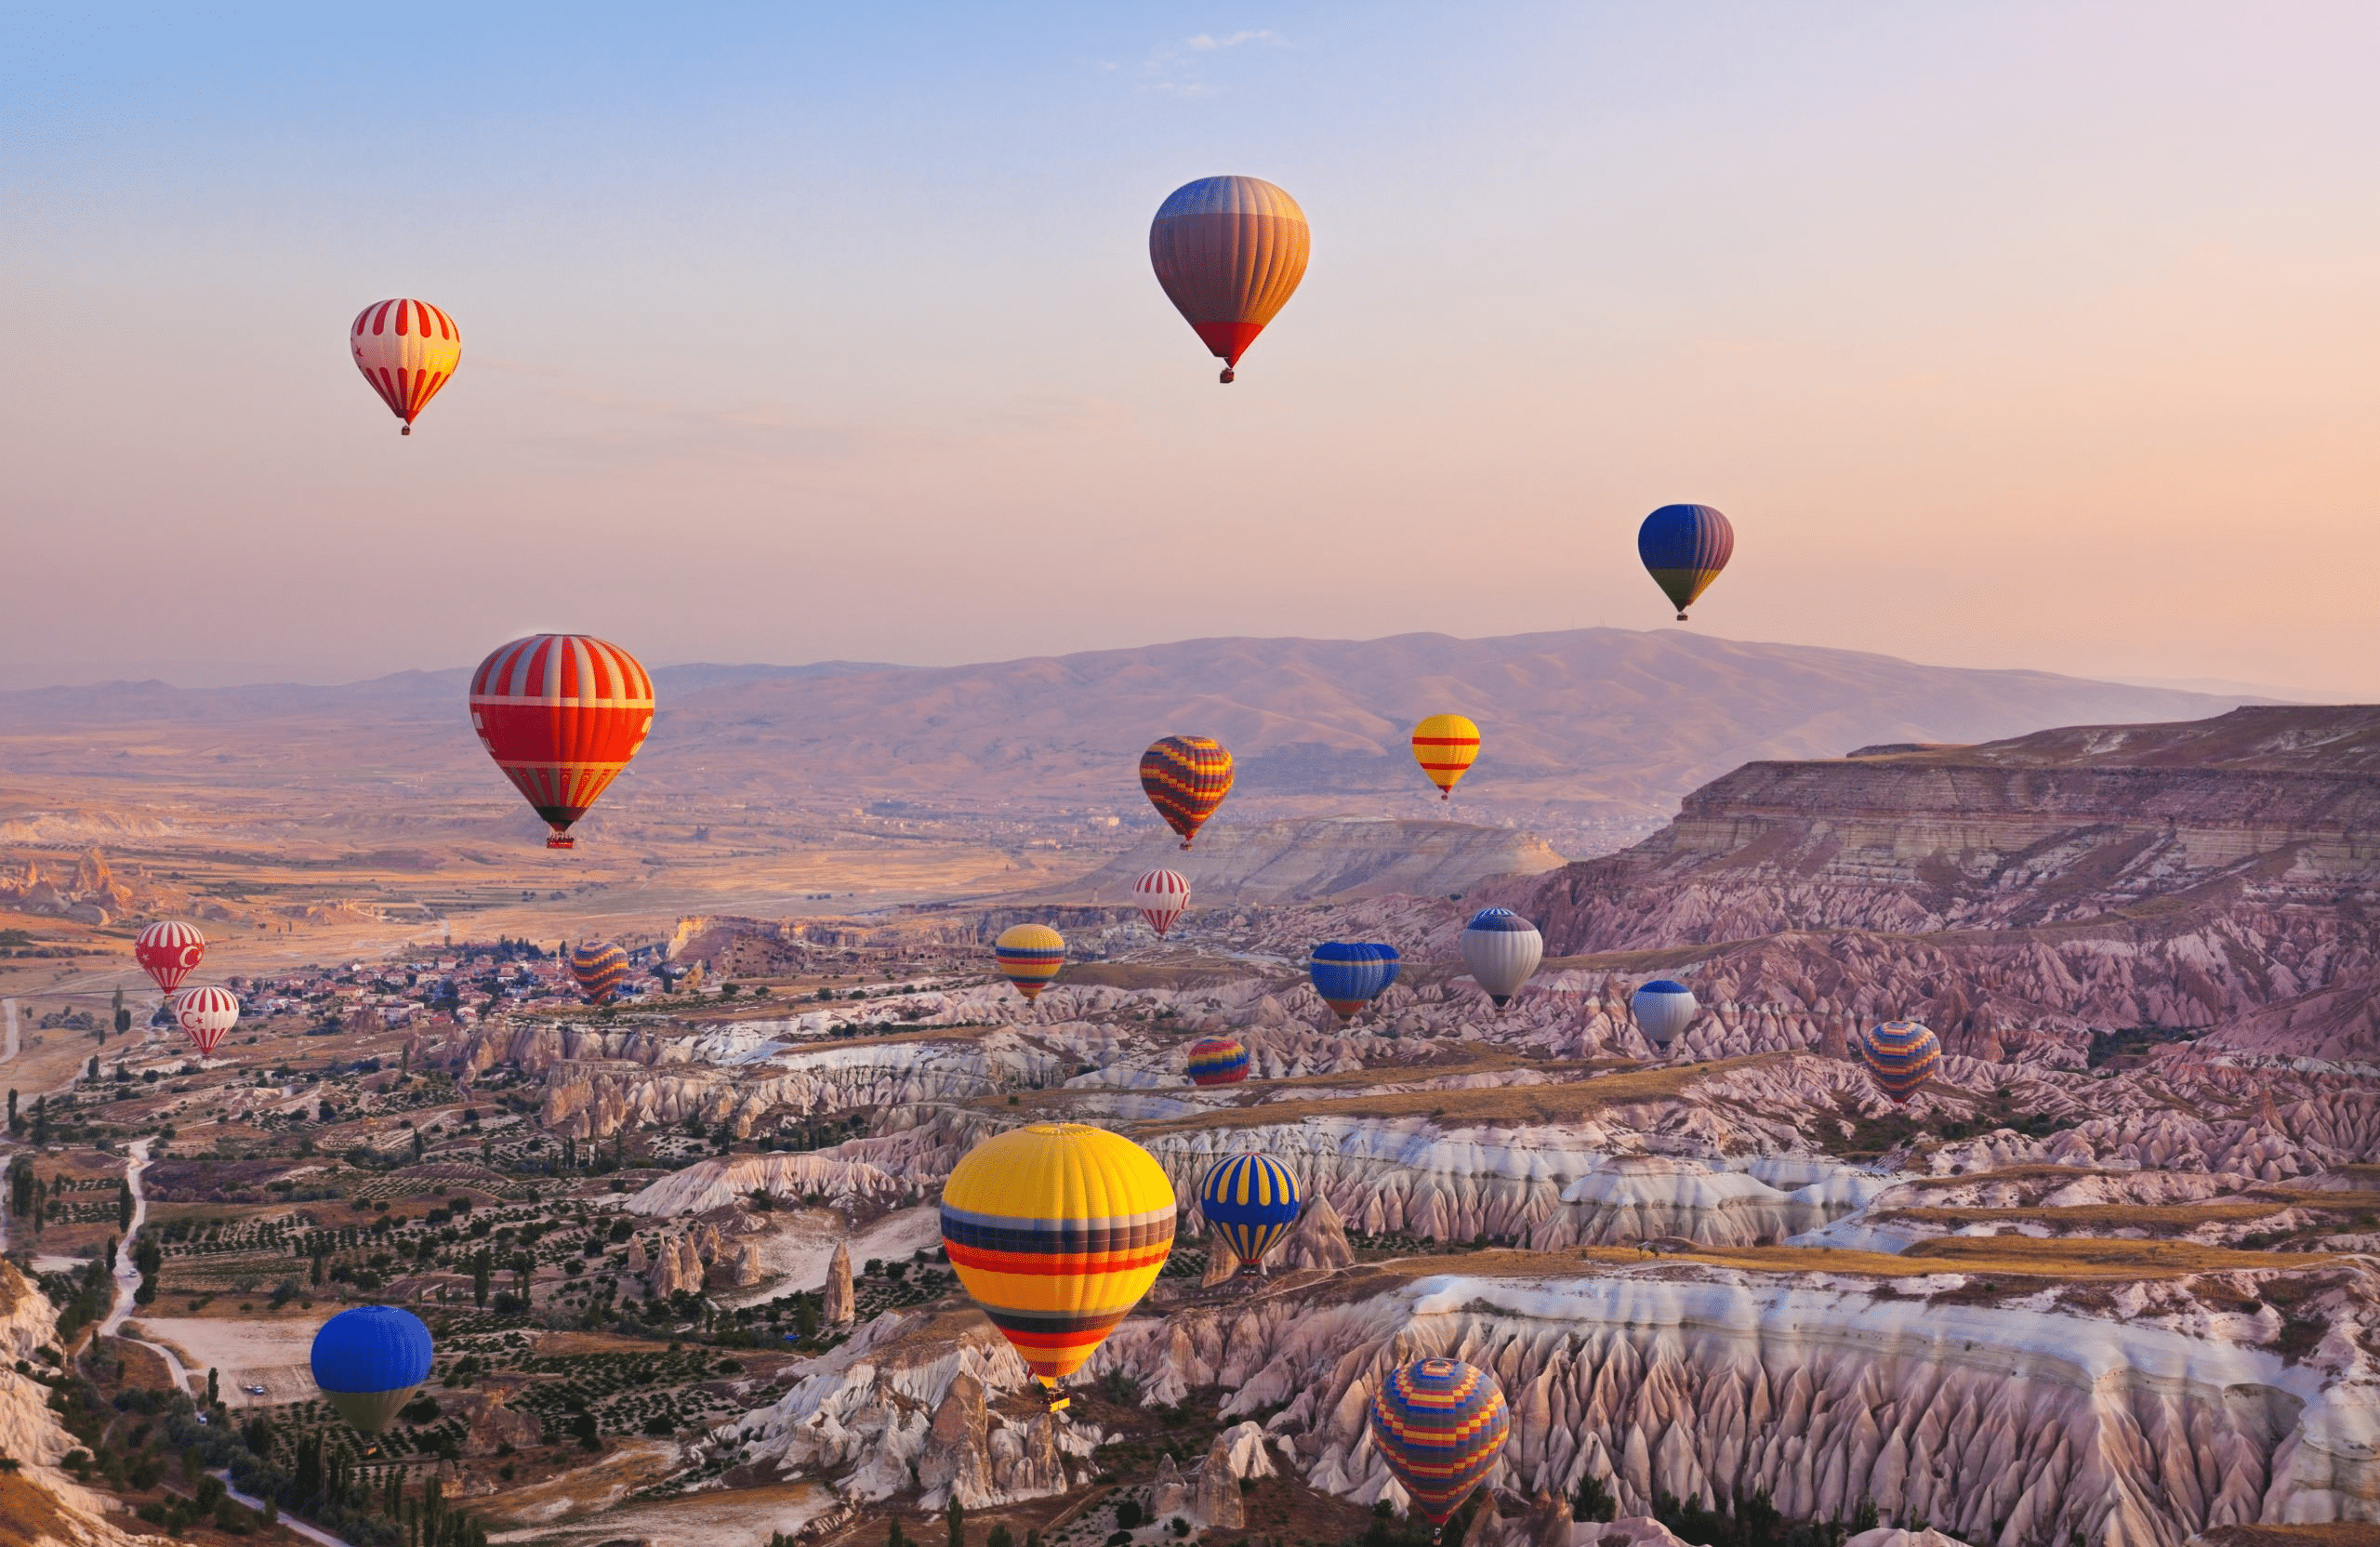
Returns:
point(407, 349)
point(169, 951)
point(204, 1014)
point(1162, 896)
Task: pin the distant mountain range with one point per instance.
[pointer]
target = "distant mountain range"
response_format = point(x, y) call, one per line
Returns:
point(1586, 731)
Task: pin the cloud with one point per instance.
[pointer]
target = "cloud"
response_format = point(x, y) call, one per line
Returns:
point(1204, 41)
point(1174, 68)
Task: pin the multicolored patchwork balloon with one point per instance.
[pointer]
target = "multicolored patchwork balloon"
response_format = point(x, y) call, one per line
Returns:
point(1440, 1423)
point(1445, 745)
point(407, 349)
point(1218, 1060)
point(169, 952)
point(1030, 955)
point(1900, 1055)
point(369, 1362)
point(1057, 1230)
point(1229, 252)
point(598, 967)
point(1684, 547)
point(1501, 948)
point(1350, 976)
point(1252, 1201)
point(1187, 778)
point(561, 714)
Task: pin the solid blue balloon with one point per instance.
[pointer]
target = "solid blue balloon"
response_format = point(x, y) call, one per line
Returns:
point(1350, 976)
point(369, 1360)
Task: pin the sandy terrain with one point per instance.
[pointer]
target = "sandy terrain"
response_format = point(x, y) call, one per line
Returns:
point(744, 1518)
point(269, 1354)
point(796, 1254)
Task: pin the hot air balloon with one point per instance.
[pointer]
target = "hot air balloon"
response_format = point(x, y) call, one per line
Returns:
point(1445, 745)
point(1351, 976)
point(1252, 1202)
point(1030, 955)
point(1439, 1424)
point(561, 714)
point(369, 1361)
point(1187, 778)
point(598, 967)
point(169, 952)
point(1162, 896)
point(1662, 1010)
point(1900, 1055)
point(1685, 546)
point(1057, 1230)
point(406, 350)
point(1218, 1060)
point(1230, 252)
point(1501, 948)
point(204, 1014)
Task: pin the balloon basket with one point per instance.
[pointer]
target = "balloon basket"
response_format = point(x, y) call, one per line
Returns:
point(562, 841)
point(1229, 377)
point(1059, 1401)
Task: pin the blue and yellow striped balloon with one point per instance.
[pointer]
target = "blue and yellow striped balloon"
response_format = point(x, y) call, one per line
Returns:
point(1350, 976)
point(1057, 1230)
point(1684, 547)
point(1439, 1424)
point(1252, 1202)
point(1900, 1055)
point(599, 969)
point(1030, 955)
point(1218, 1060)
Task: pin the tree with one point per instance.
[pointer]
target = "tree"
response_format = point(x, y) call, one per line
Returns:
point(123, 1017)
point(958, 1521)
point(418, 1145)
point(91, 1071)
point(214, 1387)
point(479, 1268)
point(894, 1538)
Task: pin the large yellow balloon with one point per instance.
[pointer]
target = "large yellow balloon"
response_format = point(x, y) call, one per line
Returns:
point(1445, 745)
point(1057, 1229)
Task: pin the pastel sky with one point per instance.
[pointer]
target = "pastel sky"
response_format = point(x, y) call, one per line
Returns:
point(2037, 335)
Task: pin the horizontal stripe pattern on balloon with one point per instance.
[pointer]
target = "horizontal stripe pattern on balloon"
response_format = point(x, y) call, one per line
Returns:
point(1902, 1056)
point(1185, 778)
point(1218, 1060)
point(407, 349)
point(169, 951)
point(1252, 1202)
point(598, 967)
point(205, 1014)
point(1684, 547)
point(1445, 745)
point(1029, 957)
point(561, 714)
point(1440, 1424)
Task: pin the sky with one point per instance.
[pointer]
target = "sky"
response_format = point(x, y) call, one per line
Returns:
point(2020, 335)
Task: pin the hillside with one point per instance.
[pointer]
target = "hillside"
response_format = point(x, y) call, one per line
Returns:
point(2216, 873)
point(1325, 859)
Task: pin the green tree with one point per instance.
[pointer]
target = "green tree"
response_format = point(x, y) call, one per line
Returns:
point(480, 1269)
point(123, 1017)
point(214, 1387)
point(956, 1519)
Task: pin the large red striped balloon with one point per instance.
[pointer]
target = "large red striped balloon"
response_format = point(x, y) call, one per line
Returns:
point(169, 951)
point(407, 349)
point(204, 1014)
point(561, 714)
point(1230, 252)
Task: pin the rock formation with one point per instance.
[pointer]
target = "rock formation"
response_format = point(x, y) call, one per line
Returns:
point(1319, 1240)
point(840, 1302)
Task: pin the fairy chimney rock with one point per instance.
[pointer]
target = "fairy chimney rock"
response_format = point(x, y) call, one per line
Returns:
point(842, 1306)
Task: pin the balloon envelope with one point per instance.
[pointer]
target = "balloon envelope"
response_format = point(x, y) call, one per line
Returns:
point(1187, 778)
point(1162, 896)
point(561, 714)
point(1350, 976)
point(1501, 948)
point(1252, 1201)
point(598, 967)
point(169, 952)
point(1218, 1060)
point(1445, 745)
point(1057, 1230)
point(1663, 1008)
point(1229, 252)
point(407, 349)
point(204, 1014)
point(1684, 547)
point(1439, 1424)
point(1029, 956)
point(1900, 1055)
point(369, 1361)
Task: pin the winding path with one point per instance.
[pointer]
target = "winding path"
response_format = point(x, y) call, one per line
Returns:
point(127, 1278)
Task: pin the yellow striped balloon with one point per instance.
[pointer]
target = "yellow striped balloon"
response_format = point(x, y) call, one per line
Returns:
point(1030, 955)
point(1445, 745)
point(1057, 1229)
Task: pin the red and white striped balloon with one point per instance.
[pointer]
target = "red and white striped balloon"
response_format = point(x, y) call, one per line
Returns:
point(1162, 896)
point(169, 951)
point(407, 349)
point(204, 1014)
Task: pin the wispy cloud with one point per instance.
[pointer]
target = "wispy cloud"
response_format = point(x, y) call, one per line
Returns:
point(1204, 41)
point(1175, 69)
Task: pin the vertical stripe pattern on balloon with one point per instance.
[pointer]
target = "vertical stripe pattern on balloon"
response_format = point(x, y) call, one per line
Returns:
point(1229, 253)
point(204, 1014)
point(169, 951)
point(1218, 1060)
point(1029, 957)
point(407, 349)
point(1684, 547)
point(561, 714)
point(1252, 1201)
point(1900, 1055)
point(1162, 896)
